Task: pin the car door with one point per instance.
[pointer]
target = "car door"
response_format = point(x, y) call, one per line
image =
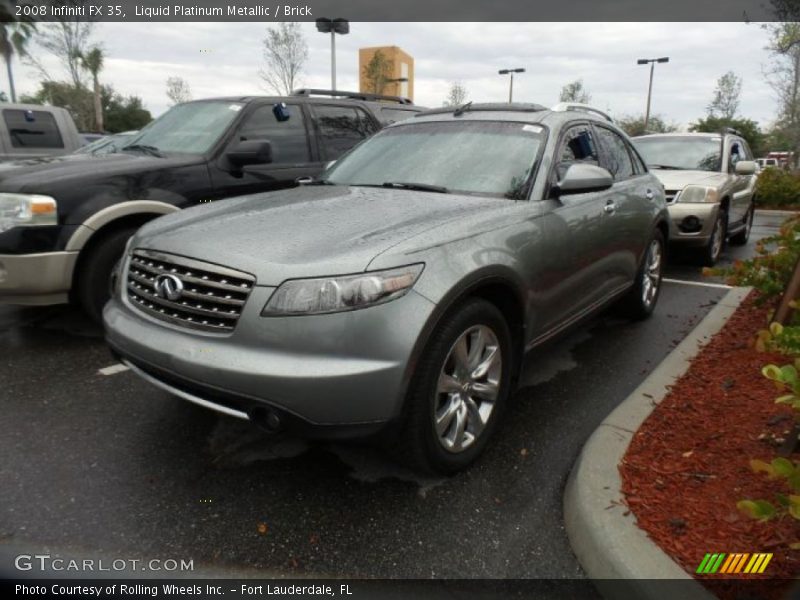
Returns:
point(292, 153)
point(741, 185)
point(339, 127)
point(627, 220)
point(575, 270)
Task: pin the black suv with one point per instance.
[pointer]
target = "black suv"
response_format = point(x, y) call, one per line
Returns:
point(64, 221)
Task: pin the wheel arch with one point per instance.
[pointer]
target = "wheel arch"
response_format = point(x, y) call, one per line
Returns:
point(499, 286)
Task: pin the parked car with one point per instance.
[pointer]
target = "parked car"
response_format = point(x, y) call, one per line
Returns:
point(64, 221)
point(710, 185)
point(397, 294)
point(767, 162)
point(107, 144)
point(34, 131)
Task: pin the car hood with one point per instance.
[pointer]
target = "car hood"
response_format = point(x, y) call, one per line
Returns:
point(307, 231)
point(45, 175)
point(677, 180)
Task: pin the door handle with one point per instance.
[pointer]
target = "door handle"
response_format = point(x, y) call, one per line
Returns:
point(610, 208)
point(649, 194)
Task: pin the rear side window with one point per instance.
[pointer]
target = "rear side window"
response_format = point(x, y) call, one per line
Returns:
point(616, 158)
point(288, 138)
point(32, 129)
point(341, 128)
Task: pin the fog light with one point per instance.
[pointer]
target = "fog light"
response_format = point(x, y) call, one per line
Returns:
point(690, 224)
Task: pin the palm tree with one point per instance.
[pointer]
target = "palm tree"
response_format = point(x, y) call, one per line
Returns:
point(14, 38)
point(92, 61)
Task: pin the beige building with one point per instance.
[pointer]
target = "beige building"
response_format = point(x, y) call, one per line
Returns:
point(397, 65)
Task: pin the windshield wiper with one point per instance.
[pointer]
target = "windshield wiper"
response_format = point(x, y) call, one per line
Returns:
point(667, 167)
point(151, 150)
point(422, 187)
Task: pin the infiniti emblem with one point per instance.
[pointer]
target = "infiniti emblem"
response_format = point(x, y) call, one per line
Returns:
point(168, 287)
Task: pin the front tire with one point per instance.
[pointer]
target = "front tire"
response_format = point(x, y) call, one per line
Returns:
point(713, 250)
point(95, 272)
point(740, 239)
point(641, 300)
point(459, 390)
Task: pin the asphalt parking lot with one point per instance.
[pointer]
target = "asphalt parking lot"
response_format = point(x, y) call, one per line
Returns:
point(97, 461)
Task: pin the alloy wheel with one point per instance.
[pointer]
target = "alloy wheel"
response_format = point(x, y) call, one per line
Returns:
point(651, 274)
point(468, 387)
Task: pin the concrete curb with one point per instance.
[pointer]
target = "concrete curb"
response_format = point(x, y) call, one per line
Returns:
point(608, 544)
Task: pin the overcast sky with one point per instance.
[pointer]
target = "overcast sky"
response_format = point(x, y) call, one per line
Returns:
point(224, 59)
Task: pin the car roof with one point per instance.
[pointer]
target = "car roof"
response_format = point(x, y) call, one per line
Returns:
point(313, 99)
point(511, 111)
point(677, 134)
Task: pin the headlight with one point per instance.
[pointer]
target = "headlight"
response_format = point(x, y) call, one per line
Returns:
point(26, 209)
point(698, 193)
point(335, 294)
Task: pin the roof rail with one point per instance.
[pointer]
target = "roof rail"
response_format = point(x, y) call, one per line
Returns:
point(353, 95)
point(565, 106)
point(731, 130)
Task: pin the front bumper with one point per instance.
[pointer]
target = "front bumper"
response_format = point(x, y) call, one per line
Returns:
point(320, 374)
point(36, 279)
point(680, 215)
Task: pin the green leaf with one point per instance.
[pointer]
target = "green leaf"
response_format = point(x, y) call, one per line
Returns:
point(794, 480)
point(759, 466)
point(757, 509)
point(789, 374)
point(786, 399)
point(783, 466)
point(783, 499)
point(775, 328)
point(772, 372)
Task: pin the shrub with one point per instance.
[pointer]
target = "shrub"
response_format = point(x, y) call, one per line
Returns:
point(771, 268)
point(777, 188)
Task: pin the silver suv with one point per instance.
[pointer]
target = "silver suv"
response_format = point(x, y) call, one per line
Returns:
point(710, 181)
point(398, 293)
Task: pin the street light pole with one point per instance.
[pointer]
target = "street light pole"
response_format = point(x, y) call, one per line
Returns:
point(333, 26)
point(652, 61)
point(511, 83)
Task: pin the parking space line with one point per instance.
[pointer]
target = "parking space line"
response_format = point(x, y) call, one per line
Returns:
point(720, 286)
point(113, 369)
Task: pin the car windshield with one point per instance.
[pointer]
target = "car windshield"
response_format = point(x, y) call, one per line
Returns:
point(474, 157)
point(681, 152)
point(190, 128)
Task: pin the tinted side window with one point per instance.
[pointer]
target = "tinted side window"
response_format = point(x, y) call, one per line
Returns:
point(341, 128)
point(616, 159)
point(577, 145)
point(288, 138)
point(32, 129)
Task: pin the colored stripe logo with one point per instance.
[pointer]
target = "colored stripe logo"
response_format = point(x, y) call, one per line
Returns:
point(733, 564)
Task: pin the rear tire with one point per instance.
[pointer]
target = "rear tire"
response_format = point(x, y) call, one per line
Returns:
point(458, 392)
point(95, 272)
point(740, 239)
point(640, 302)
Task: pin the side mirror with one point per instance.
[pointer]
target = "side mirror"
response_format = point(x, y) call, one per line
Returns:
point(250, 152)
point(746, 167)
point(581, 178)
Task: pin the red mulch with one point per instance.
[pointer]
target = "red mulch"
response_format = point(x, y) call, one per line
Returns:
point(688, 464)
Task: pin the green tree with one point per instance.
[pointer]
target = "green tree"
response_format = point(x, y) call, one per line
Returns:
point(747, 128)
point(633, 125)
point(783, 75)
point(377, 72)
point(575, 92)
point(725, 103)
point(67, 41)
point(14, 39)
point(121, 113)
point(92, 61)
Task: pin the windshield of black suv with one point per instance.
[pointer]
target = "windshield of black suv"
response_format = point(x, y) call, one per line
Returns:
point(681, 152)
point(190, 128)
point(474, 157)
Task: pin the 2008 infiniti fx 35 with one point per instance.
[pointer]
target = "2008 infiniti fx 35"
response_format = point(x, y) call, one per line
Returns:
point(398, 293)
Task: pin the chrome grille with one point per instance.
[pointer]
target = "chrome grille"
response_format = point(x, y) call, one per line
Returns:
point(670, 195)
point(211, 298)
